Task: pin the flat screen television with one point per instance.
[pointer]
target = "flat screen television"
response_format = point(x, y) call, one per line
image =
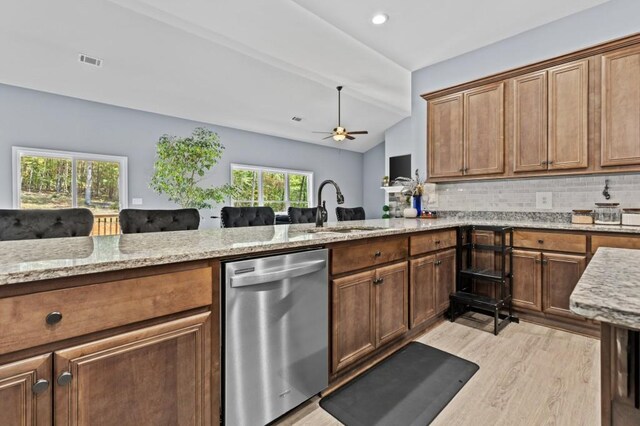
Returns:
point(400, 166)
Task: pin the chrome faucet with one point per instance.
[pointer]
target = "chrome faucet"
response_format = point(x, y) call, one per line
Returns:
point(321, 212)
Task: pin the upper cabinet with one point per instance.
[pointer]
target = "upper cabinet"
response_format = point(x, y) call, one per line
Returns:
point(530, 122)
point(445, 136)
point(575, 114)
point(466, 133)
point(620, 131)
point(484, 130)
point(568, 116)
point(550, 119)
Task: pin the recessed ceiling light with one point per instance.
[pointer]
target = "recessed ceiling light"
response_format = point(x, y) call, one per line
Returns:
point(380, 19)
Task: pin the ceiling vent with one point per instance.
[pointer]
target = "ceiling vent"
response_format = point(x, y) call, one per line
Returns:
point(90, 60)
point(296, 118)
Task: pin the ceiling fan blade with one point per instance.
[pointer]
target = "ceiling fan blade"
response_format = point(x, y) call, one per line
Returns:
point(359, 132)
point(327, 133)
point(330, 136)
point(349, 137)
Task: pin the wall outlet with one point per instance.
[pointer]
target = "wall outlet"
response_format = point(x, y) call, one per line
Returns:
point(544, 200)
point(136, 201)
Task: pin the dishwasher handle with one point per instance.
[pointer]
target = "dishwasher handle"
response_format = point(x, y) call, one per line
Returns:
point(271, 275)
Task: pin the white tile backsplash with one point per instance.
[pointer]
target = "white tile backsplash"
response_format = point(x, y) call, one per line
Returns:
point(568, 193)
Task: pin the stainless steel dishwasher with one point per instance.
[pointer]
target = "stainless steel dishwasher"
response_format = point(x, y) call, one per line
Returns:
point(276, 335)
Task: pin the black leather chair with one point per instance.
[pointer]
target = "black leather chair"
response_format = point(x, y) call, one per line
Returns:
point(134, 221)
point(345, 213)
point(236, 217)
point(302, 215)
point(34, 224)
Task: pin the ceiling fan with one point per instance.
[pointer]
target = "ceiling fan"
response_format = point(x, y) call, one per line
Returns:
point(340, 133)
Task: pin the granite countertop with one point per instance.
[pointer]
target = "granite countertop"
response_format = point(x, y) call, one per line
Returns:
point(609, 289)
point(33, 260)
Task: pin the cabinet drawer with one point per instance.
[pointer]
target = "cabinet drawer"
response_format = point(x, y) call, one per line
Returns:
point(432, 241)
point(573, 243)
point(615, 242)
point(98, 307)
point(359, 256)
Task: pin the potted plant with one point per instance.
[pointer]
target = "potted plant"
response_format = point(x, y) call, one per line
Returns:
point(182, 163)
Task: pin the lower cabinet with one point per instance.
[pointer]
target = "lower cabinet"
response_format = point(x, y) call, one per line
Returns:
point(432, 281)
point(544, 281)
point(156, 375)
point(369, 310)
point(25, 392)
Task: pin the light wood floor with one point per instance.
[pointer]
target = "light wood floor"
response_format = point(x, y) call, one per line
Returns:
point(529, 375)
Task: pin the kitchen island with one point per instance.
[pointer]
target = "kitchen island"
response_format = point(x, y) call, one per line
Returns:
point(609, 292)
point(92, 324)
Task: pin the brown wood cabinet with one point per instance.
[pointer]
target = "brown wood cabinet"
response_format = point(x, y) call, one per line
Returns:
point(392, 302)
point(369, 309)
point(354, 326)
point(527, 280)
point(560, 275)
point(156, 375)
point(620, 107)
point(530, 122)
point(484, 130)
point(433, 279)
point(446, 136)
point(568, 116)
point(25, 392)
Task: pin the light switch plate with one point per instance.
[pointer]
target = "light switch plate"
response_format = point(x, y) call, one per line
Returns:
point(544, 200)
point(136, 201)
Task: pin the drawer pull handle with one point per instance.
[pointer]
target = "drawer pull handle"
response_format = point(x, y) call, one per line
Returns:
point(40, 386)
point(64, 378)
point(54, 318)
point(378, 281)
point(437, 242)
point(540, 241)
point(378, 253)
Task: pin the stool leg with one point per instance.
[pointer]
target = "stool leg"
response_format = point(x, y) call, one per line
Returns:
point(495, 322)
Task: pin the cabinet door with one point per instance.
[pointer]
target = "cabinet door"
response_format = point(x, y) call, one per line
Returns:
point(527, 280)
point(445, 278)
point(568, 116)
point(392, 302)
point(22, 403)
point(530, 122)
point(484, 130)
point(354, 331)
point(561, 273)
point(621, 107)
point(445, 136)
point(160, 375)
point(423, 290)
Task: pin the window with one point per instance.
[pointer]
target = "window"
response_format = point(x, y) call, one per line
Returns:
point(45, 179)
point(275, 188)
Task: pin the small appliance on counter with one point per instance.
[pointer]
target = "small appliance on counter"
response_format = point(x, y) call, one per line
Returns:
point(582, 217)
point(631, 217)
point(608, 214)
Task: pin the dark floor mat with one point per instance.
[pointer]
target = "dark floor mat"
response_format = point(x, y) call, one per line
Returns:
point(409, 388)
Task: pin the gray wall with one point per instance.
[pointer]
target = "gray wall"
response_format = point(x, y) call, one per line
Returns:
point(40, 120)
point(611, 20)
point(373, 170)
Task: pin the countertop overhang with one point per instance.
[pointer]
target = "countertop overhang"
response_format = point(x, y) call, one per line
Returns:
point(609, 289)
point(35, 260)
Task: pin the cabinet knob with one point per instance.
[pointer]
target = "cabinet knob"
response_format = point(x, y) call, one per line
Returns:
point(40, 386)
point(378, 253)
point(54, 318)
point(544, 163)
point(378, 280)
point(545, 261)
point(549, 162)
point(437, 242)
point(64, 378)
point(540, 241)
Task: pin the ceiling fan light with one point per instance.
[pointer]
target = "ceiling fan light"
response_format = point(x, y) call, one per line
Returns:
point(339, 137)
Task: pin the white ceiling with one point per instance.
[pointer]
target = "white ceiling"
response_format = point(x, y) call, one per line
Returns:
point(254, 64)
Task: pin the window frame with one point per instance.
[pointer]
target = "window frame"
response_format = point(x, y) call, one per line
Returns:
point(17, 152)
point(287, 172)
